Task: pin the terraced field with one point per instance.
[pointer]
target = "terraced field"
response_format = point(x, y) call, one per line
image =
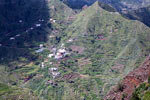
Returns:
point(66, 54)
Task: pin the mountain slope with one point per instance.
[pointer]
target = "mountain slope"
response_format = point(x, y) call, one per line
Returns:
point(113, 44)
point(132, 81)
point(25, 26)
point(82, 58)
point(141, 14)
point(133, 9)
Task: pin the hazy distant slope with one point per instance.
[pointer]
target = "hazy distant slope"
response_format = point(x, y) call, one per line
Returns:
point(118, 4)
point(141, 14)
point(134, 9)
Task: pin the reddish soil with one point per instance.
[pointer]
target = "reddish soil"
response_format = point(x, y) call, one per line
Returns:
point(131, 82)
point(70, 76)
point(78, 49)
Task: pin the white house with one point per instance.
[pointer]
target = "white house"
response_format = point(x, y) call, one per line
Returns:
point(39, 50)
point(51, 19)
point(50, 55)
point(70, 40)
point(12, 38)
point(62, 45)
point(58, 55)
point(53, 69)
point(61, 51)
point(54, 21)
point(50, 63)
point(38, 25)
point(55, 74)
point(20, 21)
point(31, 28)
point(42, 65)
point(17, 35)
point(41, 45)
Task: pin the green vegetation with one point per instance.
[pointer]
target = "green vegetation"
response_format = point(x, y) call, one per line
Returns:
point(142, 92)
point(102, 47)
point(11, 93)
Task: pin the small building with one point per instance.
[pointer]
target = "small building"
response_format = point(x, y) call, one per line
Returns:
point(38, 25)
point(17, 35)
point(39, 50)
point(53, 69)
point(50, 63)
point(61, 51)
point(58, 55)
point(41, 20)
point(41, 45)
point(62, 45)
point(70, 40)
point(42, 65)
point(54, 21)
point(52, 36)
point(55, 74)
point(51, 19)
point(50, 55)
point(12, 38)
point(20, 21)
point(31, 28)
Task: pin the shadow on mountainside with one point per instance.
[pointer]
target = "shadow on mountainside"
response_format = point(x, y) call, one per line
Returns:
point(23, 27)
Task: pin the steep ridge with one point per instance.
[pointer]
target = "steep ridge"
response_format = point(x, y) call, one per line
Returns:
point(133, 9)
point(114, 45)
point(130, 82)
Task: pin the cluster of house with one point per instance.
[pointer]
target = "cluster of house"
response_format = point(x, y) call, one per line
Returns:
point(52, 20)
point(41, 20)
point(41, 49)
point(70, 40)
point(13, 38)
point(54, 72)
point(59, 54)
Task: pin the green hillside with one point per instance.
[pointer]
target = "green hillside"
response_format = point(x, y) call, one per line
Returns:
point(14, 93)
point(141, 14)
point(72, 56)
point(113, 44)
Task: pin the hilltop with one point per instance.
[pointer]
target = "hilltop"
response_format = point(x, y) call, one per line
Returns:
point(133, 9)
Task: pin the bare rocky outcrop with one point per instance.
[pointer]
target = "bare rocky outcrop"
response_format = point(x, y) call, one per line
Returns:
point(130, 82)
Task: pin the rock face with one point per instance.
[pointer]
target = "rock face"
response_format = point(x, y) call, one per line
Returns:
point(130, 82)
